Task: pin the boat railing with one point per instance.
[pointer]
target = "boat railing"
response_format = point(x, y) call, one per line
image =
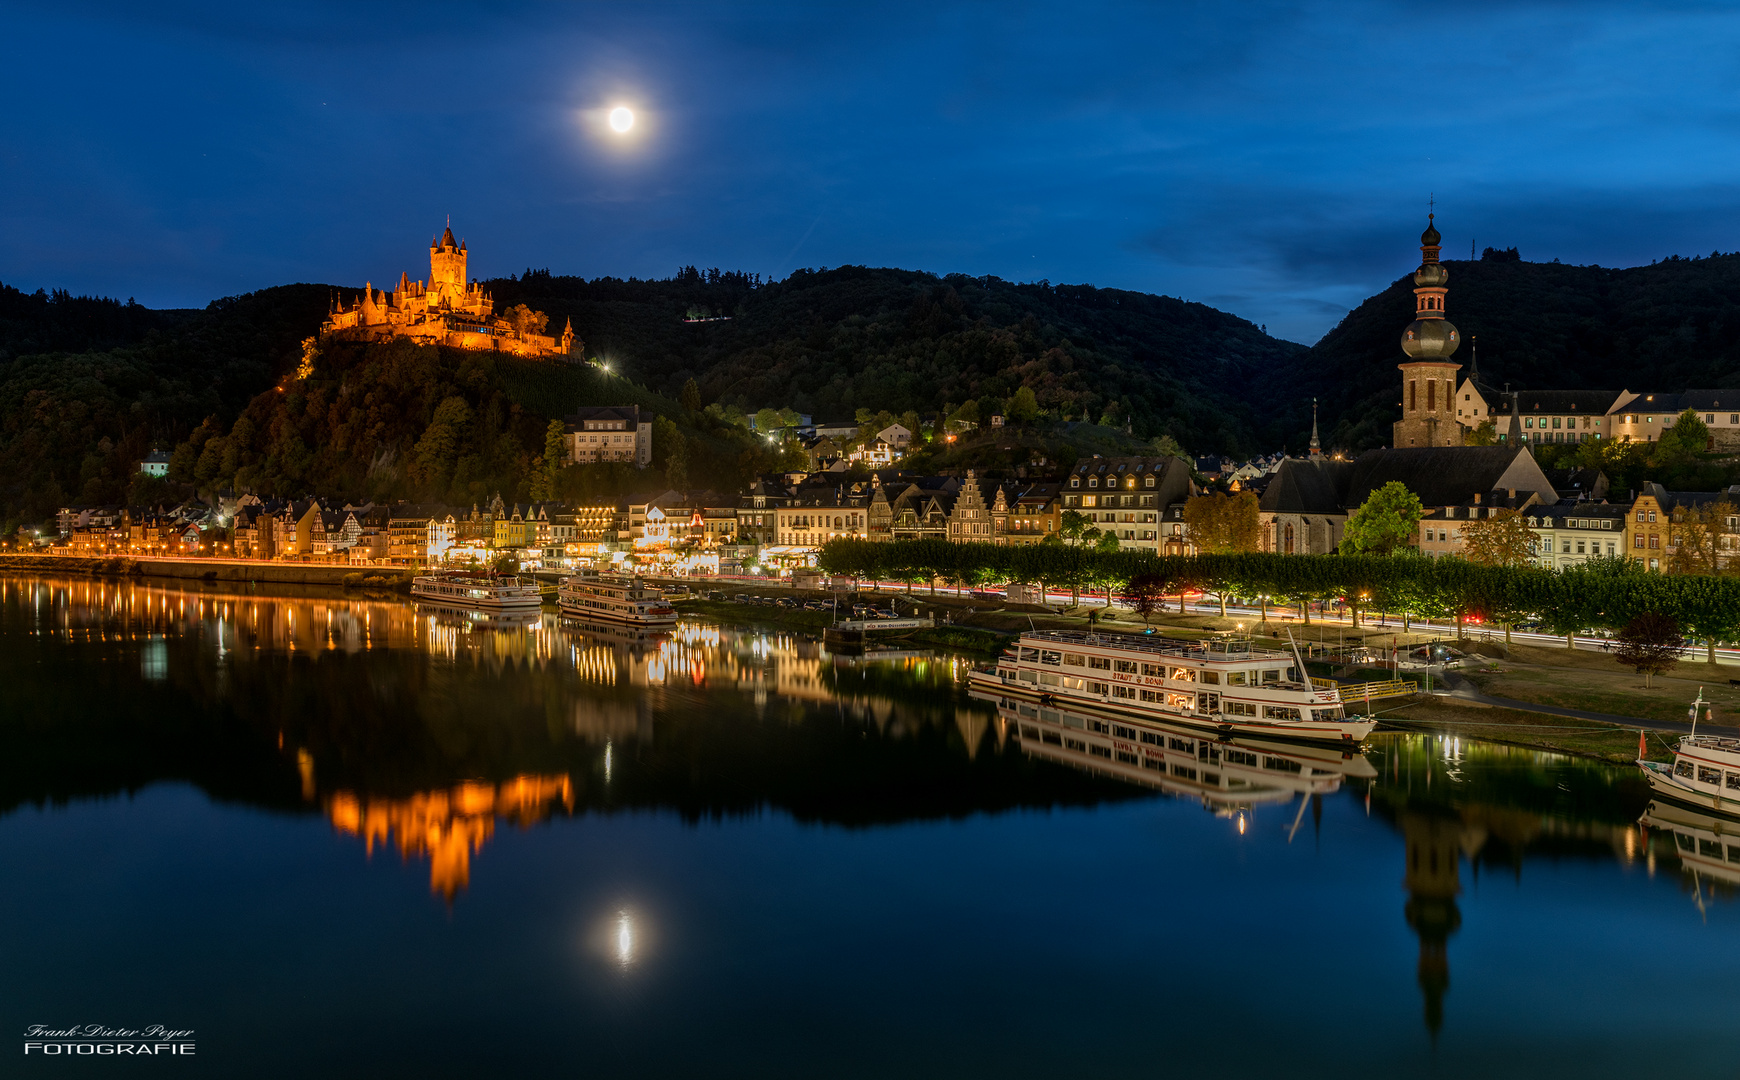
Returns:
point(1712, 742)
point(1157, 646)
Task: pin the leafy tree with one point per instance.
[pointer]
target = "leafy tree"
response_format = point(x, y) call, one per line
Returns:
point(1024, 406)
point(1651, 643)
point(1388, 519)
point(1107, 541)
point(1074, 526)
point(670, 452)
point(1501, 540)
point(1222, 523)
point(1695, 536)
point(1144, 593)
point(550, 465)
point(1484, 433)
point(691, 397)
point(1167, 446)
point(525, 320)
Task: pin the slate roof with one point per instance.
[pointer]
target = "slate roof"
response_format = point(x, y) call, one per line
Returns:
point(1305, 486)
point(1439, 475)
point(1562, 402)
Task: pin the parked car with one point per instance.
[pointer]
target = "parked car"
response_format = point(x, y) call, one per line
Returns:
point(715, 594)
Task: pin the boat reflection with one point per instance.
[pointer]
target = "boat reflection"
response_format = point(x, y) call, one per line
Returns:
point(1707, 846)
point(1226, 775)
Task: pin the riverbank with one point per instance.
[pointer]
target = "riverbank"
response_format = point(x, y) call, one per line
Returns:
point(231, 570)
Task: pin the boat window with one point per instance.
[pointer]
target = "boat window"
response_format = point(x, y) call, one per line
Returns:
point(1127, 758)
point(1211, 778)
point(1240, 757)
point(1030, 654)
point(1066, 720)
point(1272, 675)
point(1707, 775)
point(1121, 691)
point(1100, 751)
point(1208, 702)
point(1099, 663)
point(1181, 701)
point(1281, 764)
point(1049, 657)
point(1099, 688)
point(1153, 671)
point(1152, 739)
point(1184, 772)
point(1683, 840)
point(1280, 712)
point(1154, 763)
point(1683, 768)
point(1181, 745)
point(1151, 695)
point(1028, 731)
point(1734, 853)
point(1235, 678)
point(1239, 708)
point(1123, 732)
point(1072, 659)
point(1099, 726)
point(1053, 738)
point(1028, 711)
point(1074, 744)
point(1711, 848)
point(1070, 682)
point(1124, 667)
point(1328, 714)
point(1734, 781)
point(1212, 677)
point(1029, 676)
point(1047, 679)
point(1183, 674)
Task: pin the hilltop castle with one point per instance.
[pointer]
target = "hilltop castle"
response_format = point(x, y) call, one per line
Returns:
point(450, 310)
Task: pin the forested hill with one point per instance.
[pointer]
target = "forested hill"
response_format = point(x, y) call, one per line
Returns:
point(833, 341)
point(1670, 326)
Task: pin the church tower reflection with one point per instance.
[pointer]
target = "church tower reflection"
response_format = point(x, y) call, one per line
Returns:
point(1432, 847)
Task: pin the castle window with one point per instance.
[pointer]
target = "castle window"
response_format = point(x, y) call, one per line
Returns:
point(1431, 394)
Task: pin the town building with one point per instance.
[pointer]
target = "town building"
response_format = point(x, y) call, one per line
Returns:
point(1570, 534)
point(1125, 496)
point(617, 433)
point(451, 309)
point(156, 463)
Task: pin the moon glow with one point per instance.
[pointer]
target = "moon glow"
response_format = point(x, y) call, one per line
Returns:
point(621, 119)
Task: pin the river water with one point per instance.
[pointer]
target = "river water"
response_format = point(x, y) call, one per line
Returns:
point(345, 837)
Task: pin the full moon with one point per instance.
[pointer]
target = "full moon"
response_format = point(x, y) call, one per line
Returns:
point(621, 119)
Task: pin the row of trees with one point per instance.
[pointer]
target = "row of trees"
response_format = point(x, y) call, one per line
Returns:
point(1604, 594)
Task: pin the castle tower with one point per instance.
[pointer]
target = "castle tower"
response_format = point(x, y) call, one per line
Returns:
point(447, 281)
point(568, 338)
point(1429, 375)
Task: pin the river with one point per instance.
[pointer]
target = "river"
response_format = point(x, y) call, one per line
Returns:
point(322, 835)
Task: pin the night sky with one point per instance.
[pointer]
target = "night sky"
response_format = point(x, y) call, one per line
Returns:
point(1274, 161)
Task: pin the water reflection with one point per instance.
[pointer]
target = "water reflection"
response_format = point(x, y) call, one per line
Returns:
point(420, 729)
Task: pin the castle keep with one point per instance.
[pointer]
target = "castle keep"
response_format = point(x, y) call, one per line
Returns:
point(450, 310)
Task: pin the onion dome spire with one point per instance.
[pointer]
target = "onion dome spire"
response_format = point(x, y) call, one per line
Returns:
point(1430, 336)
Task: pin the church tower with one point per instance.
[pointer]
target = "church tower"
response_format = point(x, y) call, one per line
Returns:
point(1429, 375)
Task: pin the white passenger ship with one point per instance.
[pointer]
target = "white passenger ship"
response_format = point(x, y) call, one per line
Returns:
point(1226, 774)
point(1226, 686)
point(616, 599)
point(477, 589)
point(1705, 772)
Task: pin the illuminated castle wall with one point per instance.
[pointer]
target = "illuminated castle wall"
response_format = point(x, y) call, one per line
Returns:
point(450, 310)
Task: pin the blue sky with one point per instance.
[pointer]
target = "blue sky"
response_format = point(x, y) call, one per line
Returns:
point(1273, 160)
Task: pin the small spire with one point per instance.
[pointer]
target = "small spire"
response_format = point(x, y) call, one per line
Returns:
point(1316, 443)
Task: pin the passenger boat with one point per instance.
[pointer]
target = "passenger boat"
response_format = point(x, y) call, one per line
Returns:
point(477, 589)
point(614, 598)
point(1225, 773)
point(1705, 772)
point(1226, 686)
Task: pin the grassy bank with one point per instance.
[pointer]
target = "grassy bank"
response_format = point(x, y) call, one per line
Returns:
point(1536, 731)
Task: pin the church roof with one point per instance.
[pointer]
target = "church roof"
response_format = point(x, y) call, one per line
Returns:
point(1305, 486)
point(1444, 475)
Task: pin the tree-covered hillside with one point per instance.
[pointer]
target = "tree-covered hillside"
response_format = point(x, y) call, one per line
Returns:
point(834, 341)
point(1670, 326)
